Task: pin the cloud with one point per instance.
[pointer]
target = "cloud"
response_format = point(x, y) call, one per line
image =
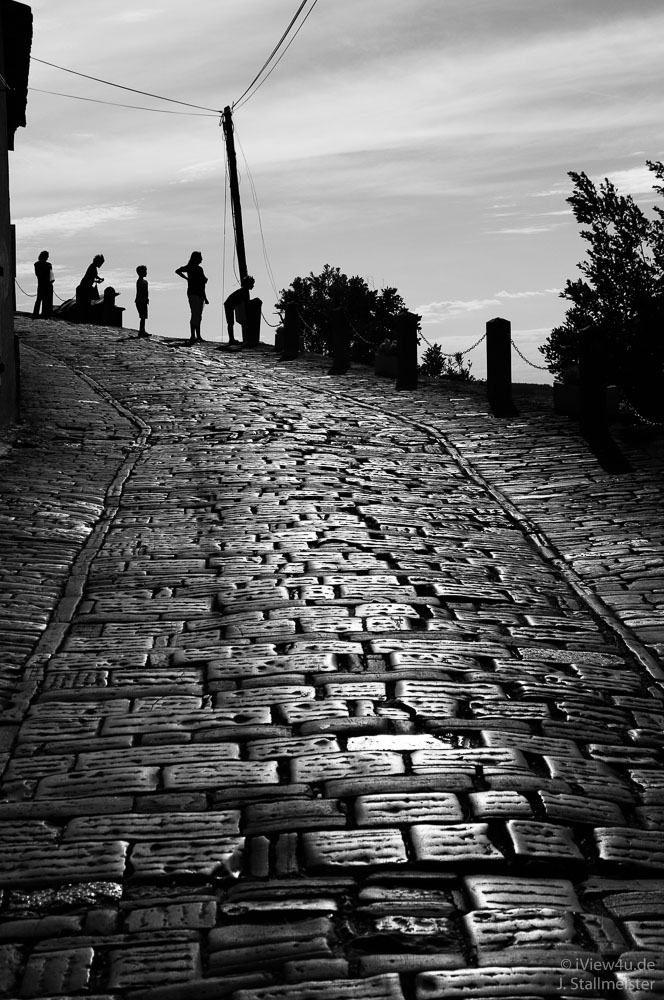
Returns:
point(635, 180)
point(520, 231)
point(528, 295)
point(73, 221)
point(198, 171)
point(437, 312)
point(133, 16)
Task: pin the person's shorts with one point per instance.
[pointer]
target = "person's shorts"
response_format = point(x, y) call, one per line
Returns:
point(142, 310)
point(196, 303)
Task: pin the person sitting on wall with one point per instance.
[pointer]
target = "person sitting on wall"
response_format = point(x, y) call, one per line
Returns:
point(44, 299)
point(87, 291)
point(236, 306)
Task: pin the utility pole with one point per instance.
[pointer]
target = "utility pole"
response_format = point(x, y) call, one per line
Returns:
point(235, 192)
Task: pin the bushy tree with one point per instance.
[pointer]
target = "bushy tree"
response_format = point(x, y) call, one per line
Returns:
point(620, 293)
point(435, 364)
point(326, 299)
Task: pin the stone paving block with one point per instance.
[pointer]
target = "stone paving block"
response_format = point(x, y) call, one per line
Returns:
point(53, 864)
point(445, 780)
point(154, 826)
point(543, 842)
point(532, 744)
point(541, 927)
point(629, 903)
point(340, 850)
point(293, 747)
point(385, 987)
point(580, 809)
point(328, 766)
point(399, 743)
point(187, 724)
point(507, 892)
point(294, 712)
point(646, 934)
point(231, 772)
point(455, 844)
point(98, 782)
point(418, 807)
point(40, 928)
point(152, 964)
point(622, 845)
point(429, 760)
point(521, 981)
point(499, 804)
point(307, 969)
point(293, 814)
point(220, 857)
point(159, 756)
point(256, 697)
point(371, 965)
point(57, 972)
point(191, 914)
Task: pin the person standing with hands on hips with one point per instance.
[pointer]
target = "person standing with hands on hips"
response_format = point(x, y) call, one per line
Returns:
point(44, 299)
point(196, 282)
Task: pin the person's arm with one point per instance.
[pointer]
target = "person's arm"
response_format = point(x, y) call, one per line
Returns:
point(181, 271)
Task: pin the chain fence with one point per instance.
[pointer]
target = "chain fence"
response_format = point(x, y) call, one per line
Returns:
point(639, 416)
point(33, 295)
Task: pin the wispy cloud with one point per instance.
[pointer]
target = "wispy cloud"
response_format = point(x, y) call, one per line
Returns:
point(437, 312)
point(520, 231)
point(73, 221)
point(528, 295)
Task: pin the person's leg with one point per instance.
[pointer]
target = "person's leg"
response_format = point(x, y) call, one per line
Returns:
point(47, 308)
point(38, 302)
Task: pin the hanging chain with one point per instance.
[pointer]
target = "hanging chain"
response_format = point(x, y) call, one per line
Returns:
point(454, 353)
point(540, 368)
point(639, 416)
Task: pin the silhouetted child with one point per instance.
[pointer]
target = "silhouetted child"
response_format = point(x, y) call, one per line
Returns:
point(44, 273)
point(142, 299)
point(236, 306)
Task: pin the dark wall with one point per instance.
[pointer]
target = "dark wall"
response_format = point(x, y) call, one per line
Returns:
point(15, 42)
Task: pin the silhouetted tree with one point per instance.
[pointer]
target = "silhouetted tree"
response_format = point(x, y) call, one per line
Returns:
point(435, 364)
point(621, 291)
point(327, 298)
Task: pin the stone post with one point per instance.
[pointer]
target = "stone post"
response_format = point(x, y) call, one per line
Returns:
point(407, 323)
point(499, 367)
point(340, 343)
point(290, 340)
point(592, 379)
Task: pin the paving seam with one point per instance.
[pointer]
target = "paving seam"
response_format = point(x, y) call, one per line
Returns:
point(65, 609)
point(540, 541)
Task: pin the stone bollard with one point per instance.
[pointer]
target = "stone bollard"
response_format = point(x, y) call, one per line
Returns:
point(290, 340)
point(499, 367)
point(251, 328)
point(340, 343)
point(592, 380)
point(407, 324)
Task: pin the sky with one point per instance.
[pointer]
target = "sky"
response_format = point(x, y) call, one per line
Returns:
point(423, 145)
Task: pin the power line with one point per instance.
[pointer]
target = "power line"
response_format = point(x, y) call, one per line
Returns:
point(268, 266)
point(121, 86)
point(274, 50)
point(114, 104)
point(267, 75)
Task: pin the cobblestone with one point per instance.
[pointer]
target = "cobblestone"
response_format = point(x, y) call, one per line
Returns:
point(314, 689)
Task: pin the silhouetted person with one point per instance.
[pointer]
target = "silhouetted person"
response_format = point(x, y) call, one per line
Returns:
point(142, 299)
point(44, 299)
point(196, 282)
point(86, 291)
point(237, 303)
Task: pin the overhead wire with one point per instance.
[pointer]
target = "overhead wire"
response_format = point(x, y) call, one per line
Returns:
point(122, 86)
point(115, 104)
point(268, 75)
point(268, 266)
point(237, 104)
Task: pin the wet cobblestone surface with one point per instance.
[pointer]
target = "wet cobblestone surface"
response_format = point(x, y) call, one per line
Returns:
point(317, 690)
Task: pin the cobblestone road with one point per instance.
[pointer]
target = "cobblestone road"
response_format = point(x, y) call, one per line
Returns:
point(319, 691)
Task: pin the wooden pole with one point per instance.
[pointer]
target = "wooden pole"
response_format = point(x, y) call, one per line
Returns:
point(235, 192)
